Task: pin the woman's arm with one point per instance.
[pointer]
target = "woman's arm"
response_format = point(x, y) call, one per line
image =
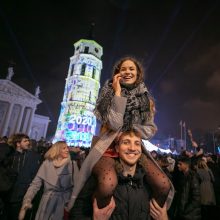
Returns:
point(33, 189)
point(110, 107)
point(116, 113)
point(147, 130)
point(31, 192)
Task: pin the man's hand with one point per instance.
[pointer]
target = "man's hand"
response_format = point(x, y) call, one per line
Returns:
point(156, 212)
point(104, 213)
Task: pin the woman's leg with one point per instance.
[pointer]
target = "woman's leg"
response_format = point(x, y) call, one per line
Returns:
point(104, 171)
point(157, 180)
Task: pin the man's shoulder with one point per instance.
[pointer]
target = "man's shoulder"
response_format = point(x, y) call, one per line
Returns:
point(33, 153)
point(194, 177)
point(33, 156)
point(193, 173)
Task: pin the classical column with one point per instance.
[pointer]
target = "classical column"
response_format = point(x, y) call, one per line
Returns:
point(45, 130)
point(28, 130)
point(21, 114)
point(7, 119)
point(25, 120)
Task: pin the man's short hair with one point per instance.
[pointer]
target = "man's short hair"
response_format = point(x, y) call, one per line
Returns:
point(131, 133)
point(184, 159)
point(17, 138)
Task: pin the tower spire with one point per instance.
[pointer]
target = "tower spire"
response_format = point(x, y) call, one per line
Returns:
point(90, 35)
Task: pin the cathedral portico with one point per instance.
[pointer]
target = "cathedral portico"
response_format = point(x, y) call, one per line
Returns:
point(21, 114)
point(7, 118)
point(17, 109)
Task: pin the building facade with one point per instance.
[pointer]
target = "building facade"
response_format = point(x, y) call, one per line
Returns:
point(17, 111)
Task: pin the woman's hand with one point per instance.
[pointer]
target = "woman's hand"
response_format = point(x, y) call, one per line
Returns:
point(116, 84)
point(26, 205)
point(156, 212)
point(104, 213)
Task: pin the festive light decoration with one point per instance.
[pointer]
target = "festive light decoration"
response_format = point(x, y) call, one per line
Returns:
point(77, 123)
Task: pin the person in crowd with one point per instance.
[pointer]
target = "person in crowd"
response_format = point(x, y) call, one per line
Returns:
point(214, 166)
point(105, 213)
point(133, 193)
point(156, 211)
point(206, 188)
point(154, 154)
point(33, 145)
point(186, 204)
point(5, 150)
point(164, 164)
point(56, 174)
point(5, 181)
point(77, 155)
point(199, 148)
point(172, 163)
point(123, 104)
point(199, 151)
point(23, 165)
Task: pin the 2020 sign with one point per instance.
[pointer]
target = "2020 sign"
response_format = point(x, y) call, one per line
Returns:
point(81, 120)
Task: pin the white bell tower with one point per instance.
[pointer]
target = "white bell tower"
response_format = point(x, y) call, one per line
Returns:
point(77, 123)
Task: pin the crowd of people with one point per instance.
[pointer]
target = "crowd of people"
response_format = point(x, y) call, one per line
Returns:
point(117, 178)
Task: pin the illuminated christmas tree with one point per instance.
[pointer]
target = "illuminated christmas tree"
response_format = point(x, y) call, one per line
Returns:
point(77, 123)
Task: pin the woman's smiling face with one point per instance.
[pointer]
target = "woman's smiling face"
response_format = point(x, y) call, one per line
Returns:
point(128, 71)
point(64, 152)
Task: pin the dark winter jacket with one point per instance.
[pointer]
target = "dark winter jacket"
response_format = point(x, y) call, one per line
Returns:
point(132, 196)
point(5, 181)
point(23, 168)
point(187, 198)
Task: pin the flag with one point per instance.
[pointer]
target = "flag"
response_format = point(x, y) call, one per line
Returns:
point(181, 123)
point(184, 124)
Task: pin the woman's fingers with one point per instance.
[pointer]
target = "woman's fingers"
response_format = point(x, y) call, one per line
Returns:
point(116, 84)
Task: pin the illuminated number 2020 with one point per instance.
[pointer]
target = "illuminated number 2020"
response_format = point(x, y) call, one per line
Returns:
point(83, 120)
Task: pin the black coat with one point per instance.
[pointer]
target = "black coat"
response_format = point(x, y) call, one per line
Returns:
point(23, 168)
point(187, 198)
point(132, 196)
point(5, 180)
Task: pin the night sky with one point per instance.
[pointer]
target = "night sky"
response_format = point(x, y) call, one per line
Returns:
point(177, 41)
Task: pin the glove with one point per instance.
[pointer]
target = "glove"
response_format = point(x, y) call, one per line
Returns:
point(25, 206)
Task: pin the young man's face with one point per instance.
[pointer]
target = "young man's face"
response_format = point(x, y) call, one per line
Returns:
point(24, 144)
point(129, 149)
point(183, 167)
